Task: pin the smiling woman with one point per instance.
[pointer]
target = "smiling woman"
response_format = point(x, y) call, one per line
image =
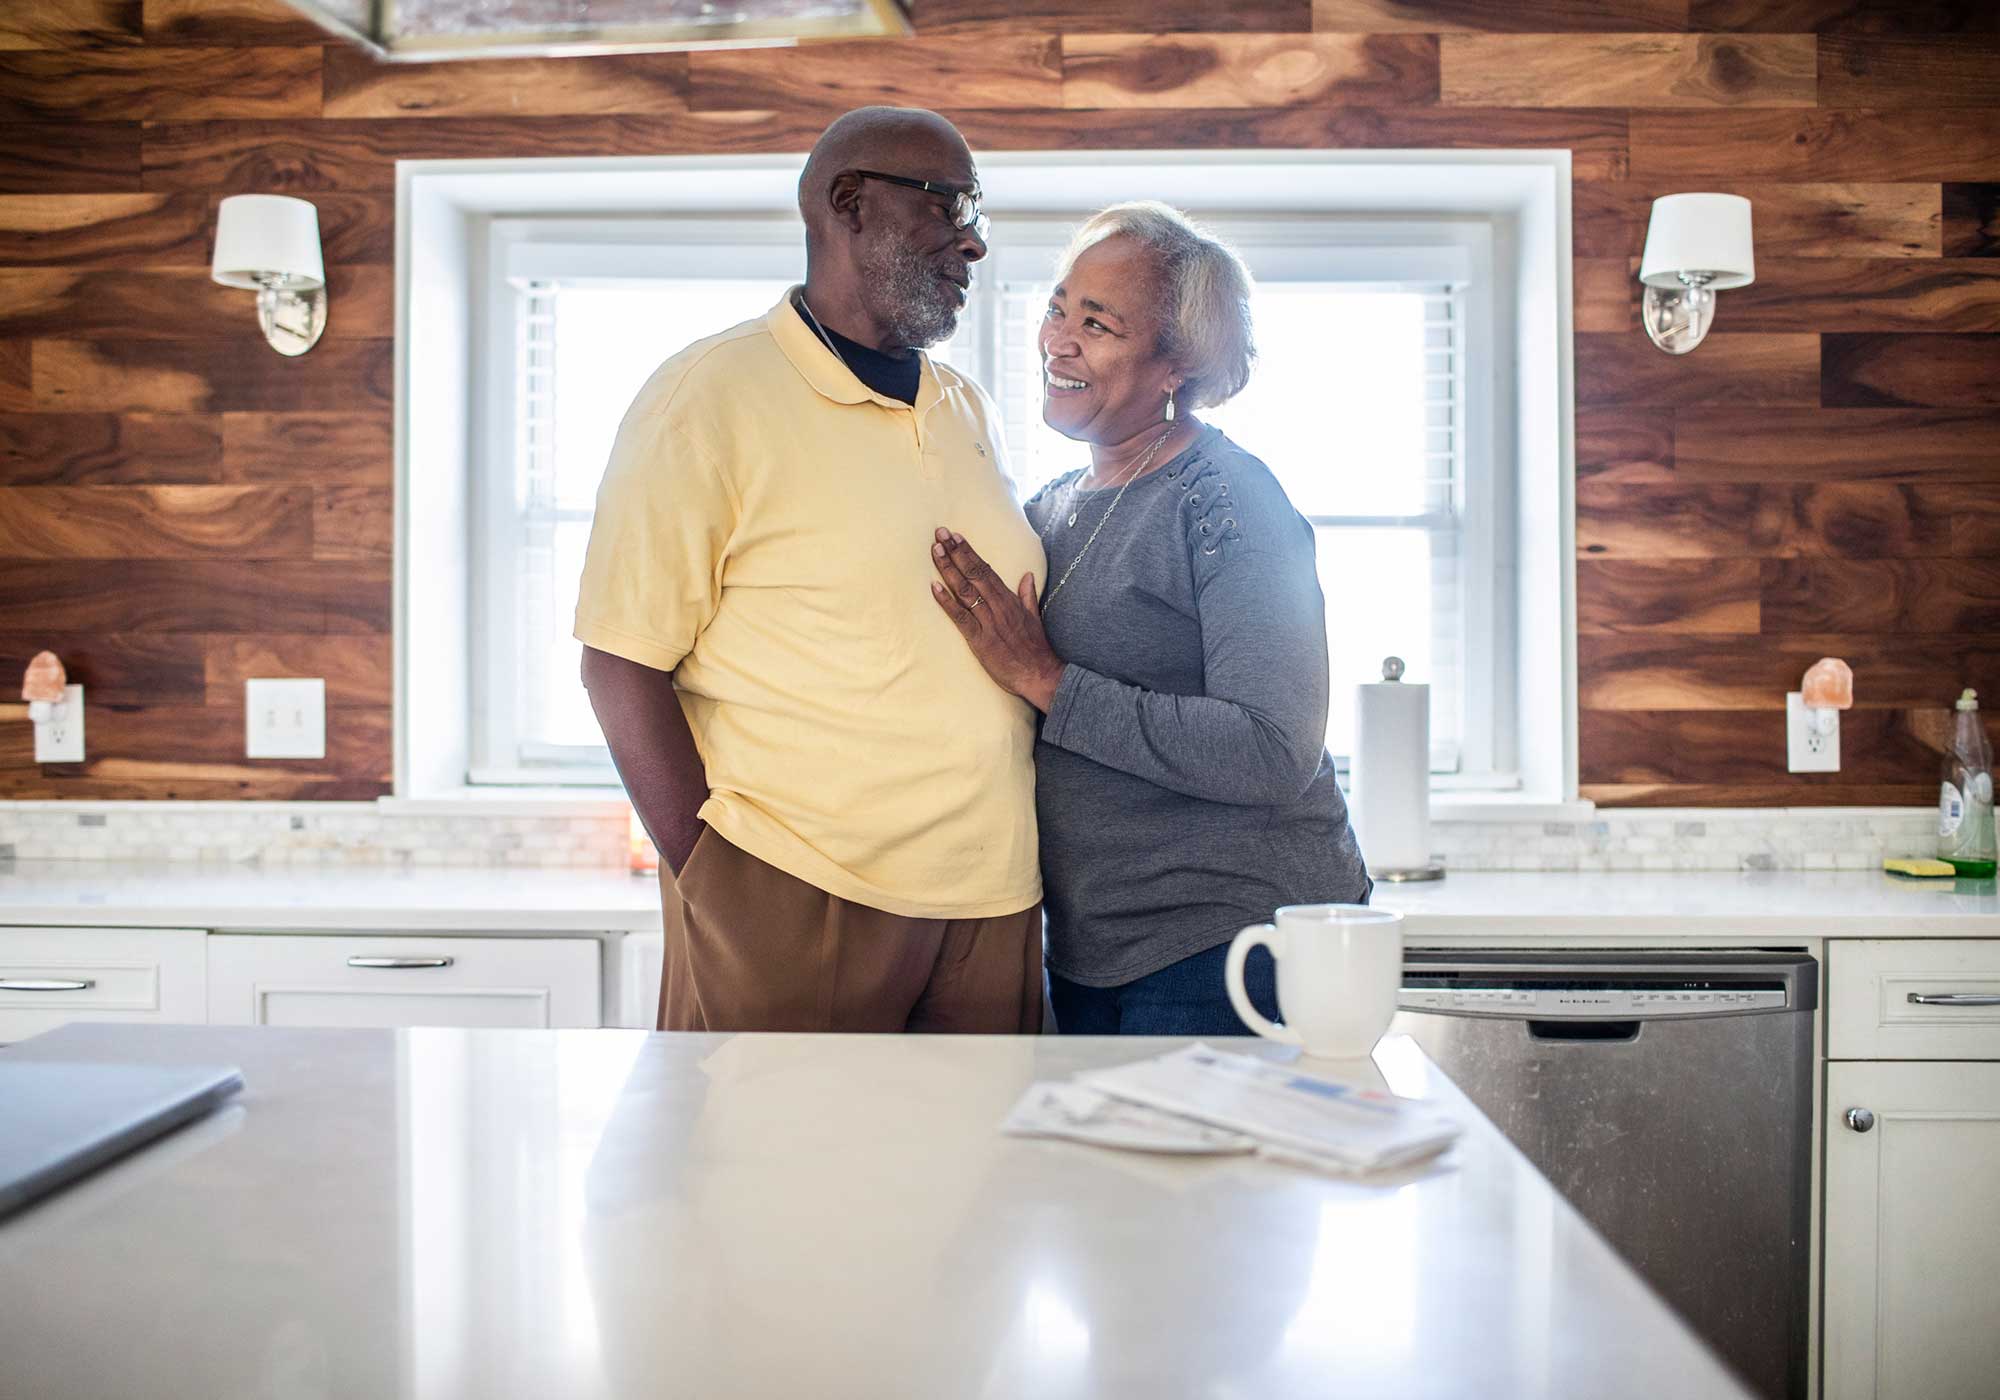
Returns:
point(1183, 789)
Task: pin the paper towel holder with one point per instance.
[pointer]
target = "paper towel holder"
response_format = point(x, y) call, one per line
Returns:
point(1392, 673)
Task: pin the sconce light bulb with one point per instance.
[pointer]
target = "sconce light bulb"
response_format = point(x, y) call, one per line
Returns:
point(1677, 320)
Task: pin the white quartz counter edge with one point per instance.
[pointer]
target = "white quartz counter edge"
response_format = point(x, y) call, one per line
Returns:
point(1693, 906)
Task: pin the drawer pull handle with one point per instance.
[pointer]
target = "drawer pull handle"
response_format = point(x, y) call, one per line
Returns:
point(399, 962)
point(26, 984)
point(1955, 998)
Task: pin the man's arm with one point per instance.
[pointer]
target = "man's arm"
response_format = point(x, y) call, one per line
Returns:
point(652, 747)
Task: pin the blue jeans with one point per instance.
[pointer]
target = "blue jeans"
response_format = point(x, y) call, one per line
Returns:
point(1183, 998)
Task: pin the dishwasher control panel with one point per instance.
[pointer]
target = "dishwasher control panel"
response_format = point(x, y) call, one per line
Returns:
point(1551, 1003)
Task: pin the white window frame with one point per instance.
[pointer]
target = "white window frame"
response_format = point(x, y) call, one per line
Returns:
point(448, 212)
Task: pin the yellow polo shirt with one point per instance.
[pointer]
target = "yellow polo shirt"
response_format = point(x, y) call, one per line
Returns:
point(763, 531)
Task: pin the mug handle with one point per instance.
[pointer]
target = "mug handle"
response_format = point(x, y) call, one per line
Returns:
point(1232, 977)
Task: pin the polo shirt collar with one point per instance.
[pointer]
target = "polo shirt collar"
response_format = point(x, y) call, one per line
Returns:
point(825, 371)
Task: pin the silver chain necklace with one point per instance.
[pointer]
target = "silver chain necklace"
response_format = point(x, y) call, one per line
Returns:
point(824, 336)
point(1137, 472)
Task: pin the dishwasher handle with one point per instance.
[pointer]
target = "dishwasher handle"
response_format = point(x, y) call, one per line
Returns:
point(1540, 1029)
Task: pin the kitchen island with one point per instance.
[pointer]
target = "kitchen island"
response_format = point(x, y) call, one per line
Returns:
point(447, 1213)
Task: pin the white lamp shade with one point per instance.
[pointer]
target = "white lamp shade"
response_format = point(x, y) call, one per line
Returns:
point(267, 235)
point(1707, 233)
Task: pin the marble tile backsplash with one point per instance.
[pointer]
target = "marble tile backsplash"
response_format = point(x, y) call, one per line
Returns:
point(363, 834)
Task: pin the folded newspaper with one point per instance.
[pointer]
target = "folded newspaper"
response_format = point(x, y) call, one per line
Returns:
point(1200, 1099)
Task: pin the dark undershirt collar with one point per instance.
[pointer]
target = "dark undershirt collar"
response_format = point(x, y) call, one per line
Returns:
point(891, 376)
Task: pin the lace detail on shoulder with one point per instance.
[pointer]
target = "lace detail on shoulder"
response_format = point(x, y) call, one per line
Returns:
point(1208, 511)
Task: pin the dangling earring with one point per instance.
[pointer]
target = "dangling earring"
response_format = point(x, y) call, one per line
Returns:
point(1170, 405)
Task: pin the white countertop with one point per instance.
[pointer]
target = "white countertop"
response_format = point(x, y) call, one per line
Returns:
point(610, 1213)
point(1718, 905)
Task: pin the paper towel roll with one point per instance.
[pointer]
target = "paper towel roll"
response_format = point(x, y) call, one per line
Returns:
point(1392, 774)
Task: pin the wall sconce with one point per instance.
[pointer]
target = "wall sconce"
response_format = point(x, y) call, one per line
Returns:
point(1696, 245)
point(269, 244)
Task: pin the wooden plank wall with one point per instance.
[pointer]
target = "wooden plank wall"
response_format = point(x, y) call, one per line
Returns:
point(180, 508)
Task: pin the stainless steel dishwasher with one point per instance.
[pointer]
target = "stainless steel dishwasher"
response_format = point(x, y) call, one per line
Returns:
point(1668, 1095)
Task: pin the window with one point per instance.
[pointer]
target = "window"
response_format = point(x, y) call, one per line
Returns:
point(1358, 403)
point(1412, 322)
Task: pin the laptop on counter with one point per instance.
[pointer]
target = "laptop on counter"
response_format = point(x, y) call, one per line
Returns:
point(60, 1119)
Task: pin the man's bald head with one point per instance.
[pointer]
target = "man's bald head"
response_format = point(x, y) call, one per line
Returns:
point(887, 264)
point(901, 140)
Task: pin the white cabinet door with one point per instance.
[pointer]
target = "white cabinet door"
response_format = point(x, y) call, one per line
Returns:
point(52, 975)
point(402, 980)
point(1913, 1231)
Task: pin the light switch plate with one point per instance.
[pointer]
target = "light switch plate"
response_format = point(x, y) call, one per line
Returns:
point(284, 719)
point(61, 740)
point(1806, 749)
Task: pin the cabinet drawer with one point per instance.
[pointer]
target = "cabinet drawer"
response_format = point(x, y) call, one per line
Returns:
point(407, 980)
point(126, 974)
point(1871, 1014)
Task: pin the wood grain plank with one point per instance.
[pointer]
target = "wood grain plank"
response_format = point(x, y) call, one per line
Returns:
point(1851, 444)
point(1673, 595)
point(1606, 294)
point(1692, 746)
point(153, 84)
point(71, 158)
point(108, 449)
point(1248, 70)
point(1728, 369)
point(1972, 221)
point(1793, 221)
point(1975, 520)
point(206, 743)
point(1001, 70)
point(980, 17)
point(208, 376)
point(1595, 139)
point(1847, 16)
point(1651, 672)
point(353, 522)
point(175, 304)
point(1866, 294)
point(1500, 16)
point(1625, 444)
point(1880, 595)
point(118, 668)
point(358, 670)
point(1817, 146)
point(327, 449)
point(1889, 371)
point(16, 376)
point(193, 595)
point(359, 85)
point(156, 522)
point(66, 24)
point(1864, 520)
point(1886, 70)
point(104, 230)
point(1627, 70)
point(361, 154)
point(230, 24)
point(149, 784)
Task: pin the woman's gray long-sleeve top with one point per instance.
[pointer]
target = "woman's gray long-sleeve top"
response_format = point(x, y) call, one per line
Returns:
point(1181, 778)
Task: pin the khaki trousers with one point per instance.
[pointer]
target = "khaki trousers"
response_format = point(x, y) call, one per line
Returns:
point(750, 948)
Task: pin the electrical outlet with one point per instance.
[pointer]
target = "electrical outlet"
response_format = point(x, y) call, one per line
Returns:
point(61, 740)
point(284, 719)
point(1806, 749)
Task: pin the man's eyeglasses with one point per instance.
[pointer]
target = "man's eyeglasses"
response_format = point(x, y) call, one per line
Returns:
point(964, 203)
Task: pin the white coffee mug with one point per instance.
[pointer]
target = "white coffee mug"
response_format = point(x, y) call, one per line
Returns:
point(1340, 967)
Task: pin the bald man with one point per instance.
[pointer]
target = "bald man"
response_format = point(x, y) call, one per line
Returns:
point(843, 802)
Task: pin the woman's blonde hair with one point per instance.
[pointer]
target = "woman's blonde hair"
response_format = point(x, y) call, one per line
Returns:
point(1205, 328)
